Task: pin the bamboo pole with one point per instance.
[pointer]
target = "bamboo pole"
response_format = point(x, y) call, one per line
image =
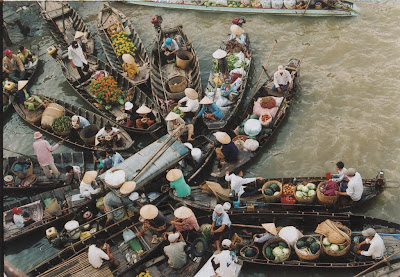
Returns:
point(383, 260)
point(308, 3)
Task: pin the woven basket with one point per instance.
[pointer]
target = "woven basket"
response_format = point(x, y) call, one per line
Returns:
point(324, 199)
point(327, 229)
point(272, 198)
point(242, 250)
point(269, 242)
point(177, 84)
point(115, 187)
point(51, 112)
point(307, 200)
point(20, 174)
point(308, 258)
point(183, 59)
point(336, 253)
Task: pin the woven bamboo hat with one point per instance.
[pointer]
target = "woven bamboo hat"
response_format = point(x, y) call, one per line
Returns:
point(22, 84)
point(143, 110)
point(172, 116)
point(270, 227)
point(149, 211)
point(222, 137)
point(89, 176)
point(183, 212)
point(191, 93)
point(174, 174)
point(236, 30)
point(128, 58)
point(206, 101)
point(219, 54)
point(78, 34)
point(127, 187)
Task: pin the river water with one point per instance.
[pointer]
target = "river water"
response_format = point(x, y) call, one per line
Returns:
point(347, 109)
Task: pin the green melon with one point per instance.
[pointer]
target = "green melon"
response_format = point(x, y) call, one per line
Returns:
point(250, 252)
point(310, 240)
point(273, 245)
point(268, 192)
point(283, 244)
point(274, 187)
point(268, 252)
point(254, 116)
point(300, 244)
point(314, 247)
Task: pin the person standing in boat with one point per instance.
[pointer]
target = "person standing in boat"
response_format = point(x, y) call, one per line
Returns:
point(12, 65)
point(108, 135)
point(220, 227)
point(220, 56)
point(153, 219)
point(145, 117)
point(355, 186)
point(88, 182)
point(169, 49)
point(175, 122)
point(339, 178)
point(115, 157)
point(209, 110)
point(78, 60)
point(21, 219)
point(80, 38)
point(376, 248)
point(45, 159)
point(129, 66)
point(184, 221)
point(26, 98)
point(226, 150)
point(226, 260)
point(175, 252)
point(96, 254)
point(237, 184)
point(192, 103)
point(282, 80)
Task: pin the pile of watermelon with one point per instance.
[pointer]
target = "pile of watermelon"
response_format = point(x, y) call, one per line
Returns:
point(277, 251)
point(308, 246)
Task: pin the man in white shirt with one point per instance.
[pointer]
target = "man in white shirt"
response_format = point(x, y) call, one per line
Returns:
point(79, 122)
point(226, 260)
point(108, 132)
point(282, 80)
point(96, 254)
point(175, 252)
point(237, 183)
point(78, 59)
point(355, 186)
point(192, 102)
point(86, 187)
point(376, 249)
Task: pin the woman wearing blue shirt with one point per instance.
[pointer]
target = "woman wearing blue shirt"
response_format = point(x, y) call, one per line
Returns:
point(209, 110)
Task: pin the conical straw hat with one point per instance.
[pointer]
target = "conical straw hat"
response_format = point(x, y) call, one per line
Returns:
point(22, 84)
point(143, 110)
point(128, 59)
point(206, 101)
point(270, 227)
point(78, 34)
point(174, 174)
point(183, 212)
point(172, 116)
point(219, 54)
point(191, 93)
point(149, 211)
point(127, 187)
point(236, 30)
point(222, 137)
point(89, 176)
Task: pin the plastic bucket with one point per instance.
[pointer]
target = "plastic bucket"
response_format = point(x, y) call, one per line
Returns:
point(88, 134)
point(183, 59)
point(8, 180)
point(196, 154)
point(72, 228)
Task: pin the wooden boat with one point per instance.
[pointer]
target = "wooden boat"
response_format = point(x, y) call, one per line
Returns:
point(163, 76)
point(35, 205)
point(228, 111)
point(73, 261)
point(64, 22)
point(392, 269)
point(208, 270)
point(208, 194)
point(84, 160)
point(33, 118)
point(348, 9)
point(109, 16)
point(307, 222)
point(115, 114)
point(266, 133)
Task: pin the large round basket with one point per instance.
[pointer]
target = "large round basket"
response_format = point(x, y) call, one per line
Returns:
point(308, 258)
point(88, 134)
point(20, 174)
point(117, 186)
point(245, 248)
point(183, 59)
point(325, 199)
point(177, 87)
point(306, 200)
point(272, 198)
point(332, 253)
point(269, 243)
point(51, 112)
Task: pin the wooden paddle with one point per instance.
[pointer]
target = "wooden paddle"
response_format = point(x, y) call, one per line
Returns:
point(308, 3)
point(378, 263)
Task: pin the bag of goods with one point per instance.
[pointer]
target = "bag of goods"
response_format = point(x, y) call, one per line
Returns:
point(290, 4)
point(287, 195)
point(265, 119)
point(251, 145)
point(276, 4)
point(239, 142)
point(305, 192)
point(51, 112)
point(252, 127)
point(266, 4)
point(237, 83)
point(115, 178)
point(272, 191)
point(62, 125)
point(268, 102)
point(308, 248)
point(326, 193)
point(276, 250)
point(249, 252)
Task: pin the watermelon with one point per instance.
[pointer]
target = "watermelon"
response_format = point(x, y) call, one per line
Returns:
point(273, 245)
point(283, 244)
point(300, 244)
point(254, 116)
point(268, 251)
point(341, 247)
point(249, 252)
point(268, 192)
point(314, 247)
point(274, 187)
point(310, 240)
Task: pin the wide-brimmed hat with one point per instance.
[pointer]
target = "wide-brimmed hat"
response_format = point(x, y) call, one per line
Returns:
point(128, 106)
point(22, 84)
point(128, 58)
point(236, 30)
point(173, 237)
point(219, 54)
point(219, 208)
point(183, 212)
point(37, 135)
point(281, 69)
point(174, 174)
point(127, 187)
point(222, 137)
point(143, 110)
point(206, 101)
point(226, 243)
point(79, 34)
point(89, 176)
point(172, 116)
point(134, 196)
point(74, 119)
point(16, 210)
point(270, 227)
point(149, 211)
point(370, 232)
point(350, 172)
point(191, 93)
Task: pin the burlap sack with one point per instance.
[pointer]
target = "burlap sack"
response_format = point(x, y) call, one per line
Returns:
point(53, 208)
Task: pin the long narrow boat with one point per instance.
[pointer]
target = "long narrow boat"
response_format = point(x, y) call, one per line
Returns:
point(35, 205)
point(230, 110)
point(164, 75)
point(266, 133)
point(135, 95)
point(348, 9)
point(64, 22)
point(307, 222)
point(209, 194)
point(108, 17)
point(34, 117)
point(84, 160)
point(392, 269)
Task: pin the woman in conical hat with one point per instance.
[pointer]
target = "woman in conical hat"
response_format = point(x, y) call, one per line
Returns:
point(129, 66)
point(88, 182)
point(174, 121)
point(25, 96)
point(184, 220)
point(153, 219)
point(209, 110)
point(226, 150)
point(192, 102)
point(146, 117)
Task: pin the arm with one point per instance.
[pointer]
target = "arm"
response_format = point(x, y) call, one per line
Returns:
point(370, 251)
point(184, 99)
point(103, 255)
point(203, 108)
point(51, 148)
point(220, 229)
point(20, 64)
point(275, 80)
point(176, 46)
point(4, 66)
point(245, 181)
point(227, 177)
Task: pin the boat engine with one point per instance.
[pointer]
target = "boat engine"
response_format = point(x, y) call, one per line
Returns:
point(156, 21)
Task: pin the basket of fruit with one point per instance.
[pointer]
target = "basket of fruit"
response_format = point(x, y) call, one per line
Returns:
point(305, 192)
point(287, 195)
point(62, 125)
point(333, 249)
point(265, 119)
point(174, 108)
point(272, 191)
point(276, 250)
point(239, 142)
point(249, 252)
point(308, 248)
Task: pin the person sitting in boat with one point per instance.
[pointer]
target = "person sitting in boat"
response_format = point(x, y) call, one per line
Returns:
point(29, 63)
point(220, 55)
point(80, 38)
point(129, 114)
point(237, 34)
point(96, 254)
point(237, 184)
point(175, 122)
point(228, 94)
point(226, 260)
point(129, 66)
point(169, 49)
point(226, 150)
point(376, 248)
point(290, 234)
point(12, 65)
point(108, 135)
point(78, 60)
point(146, 117)
point(72, 175)
point(282, 80)
point(79, 122)
point(88, 182)
point(233, 46)
point(175, 252)
point(184, 221)
point(340, 177)
point(270, 233)
point(21, 219)
point(177, 182)
point(115, 157)
point(220, 227)
point(122, 197)
point(153, 219)
point(192, 103)
point(209, 110)
point(105, 163)
point(24, 53)
point(355, 186)
point(26, 98)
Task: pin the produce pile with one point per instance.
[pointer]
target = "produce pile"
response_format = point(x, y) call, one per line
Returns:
point(234, 4)
point(61, 124)
point(288, 191)
point(277, 251)
point(272, 190)
point(332, 246)
point(308, 246)
point(231, 59)
point(123, 44)
point(305, 191)
point(178, 111)
point(106, 91)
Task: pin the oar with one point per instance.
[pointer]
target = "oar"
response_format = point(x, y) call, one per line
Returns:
point(308, 3)
point(378, 263)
